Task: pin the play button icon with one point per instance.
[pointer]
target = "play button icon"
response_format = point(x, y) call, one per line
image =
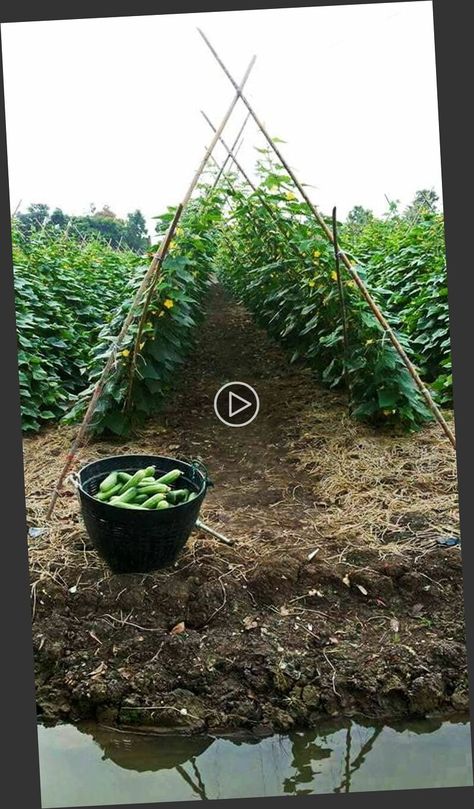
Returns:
point(236, 404)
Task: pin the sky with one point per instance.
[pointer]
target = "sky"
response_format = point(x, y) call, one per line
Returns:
point(107, 110)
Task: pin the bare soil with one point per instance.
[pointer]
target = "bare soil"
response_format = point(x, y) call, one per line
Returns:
point(335, 600)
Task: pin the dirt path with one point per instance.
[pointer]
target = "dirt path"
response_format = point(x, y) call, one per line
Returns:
point(335, 600)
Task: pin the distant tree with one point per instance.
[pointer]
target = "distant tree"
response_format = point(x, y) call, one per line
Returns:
point(34, 217)
point(358, 217)
point(136, 235)
point(110, 228)
point(59, 219)
point(425, 201)
point(105, 213)
point(130, 232)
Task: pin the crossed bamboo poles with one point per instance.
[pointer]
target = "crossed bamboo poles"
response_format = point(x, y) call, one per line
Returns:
point(151, 277)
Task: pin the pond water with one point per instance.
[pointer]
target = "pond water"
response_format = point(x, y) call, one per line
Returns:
point(88, 765)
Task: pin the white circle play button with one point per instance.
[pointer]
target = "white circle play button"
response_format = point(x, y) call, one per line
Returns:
point(236, 404)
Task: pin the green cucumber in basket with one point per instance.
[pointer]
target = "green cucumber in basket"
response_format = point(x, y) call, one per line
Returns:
point(137, 477)
point(125, 497)
point(122, 504)
point(170, 476)
point(152, 501)
point(124, 477)
point(109, 482)
point(162, 504)
point(109, 493)
point(154, 488)
point(177, 496)
point(147, 482)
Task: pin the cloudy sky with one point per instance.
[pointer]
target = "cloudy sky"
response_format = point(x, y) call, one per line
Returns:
point(107, 111)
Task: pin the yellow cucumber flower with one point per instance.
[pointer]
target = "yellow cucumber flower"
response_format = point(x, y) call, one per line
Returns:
point(168, 303)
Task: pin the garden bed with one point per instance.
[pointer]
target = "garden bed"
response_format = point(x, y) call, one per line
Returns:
point(335, 600)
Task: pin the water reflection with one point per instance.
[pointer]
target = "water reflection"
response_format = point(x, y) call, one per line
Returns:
point(306, 752)
point(129, 767)
point(141, 753)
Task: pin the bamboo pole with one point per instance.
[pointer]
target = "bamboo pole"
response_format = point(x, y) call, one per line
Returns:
point(258, 192)
point(187, 197)
point(154, 268)
point(354, 274)
point(343, 306)
point(228, 153)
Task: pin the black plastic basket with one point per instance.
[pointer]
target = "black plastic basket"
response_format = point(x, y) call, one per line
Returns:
point(139, 541)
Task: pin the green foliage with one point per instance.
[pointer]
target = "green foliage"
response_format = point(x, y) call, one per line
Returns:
point(405, 262)
point(283, 269)
point(73, 295)
point(175, 311)
point(65, 290)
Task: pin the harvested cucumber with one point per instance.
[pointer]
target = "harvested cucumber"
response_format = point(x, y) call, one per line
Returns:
point(143, 490)
point(154, 500)
point(109, 482)
point(154, 488)
point(138, 476)
point(110, 492)
point(126, 496)
point(162, 504)
point(170, 477)
point(147, 482)
point(122, 504)
point(177, 496)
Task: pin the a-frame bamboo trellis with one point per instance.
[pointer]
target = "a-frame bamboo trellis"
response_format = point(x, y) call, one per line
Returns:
point(150, 278)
